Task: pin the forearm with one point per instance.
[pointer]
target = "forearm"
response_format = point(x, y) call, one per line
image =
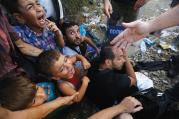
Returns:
point(81, 91)
point(80, 58)
point(130, 70)
point(167, 19)
point(91, 43)
point(59, 37)
point(37, 112)
point(108, 113)
point(28, 49)
point(105, 1)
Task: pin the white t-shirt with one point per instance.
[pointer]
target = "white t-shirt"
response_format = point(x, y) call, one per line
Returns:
point(50, 11)
point(143, 82)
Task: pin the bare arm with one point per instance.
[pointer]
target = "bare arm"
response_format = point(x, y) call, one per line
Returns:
point(167, 19)
point(28, 49)
point(129, 105)
point(41, 111)
point(68, 90)
point(130, 70)
point(137, 30)
point(84, 61)
point(91, 43)
point(59, 37)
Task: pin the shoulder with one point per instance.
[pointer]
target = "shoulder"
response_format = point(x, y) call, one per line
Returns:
point(68, 51)
point(65, 85)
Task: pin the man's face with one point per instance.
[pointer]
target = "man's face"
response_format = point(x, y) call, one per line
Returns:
point(32, 13)
point(63, 68)
point(40, 97)
point(73, 35)
point(119, 60)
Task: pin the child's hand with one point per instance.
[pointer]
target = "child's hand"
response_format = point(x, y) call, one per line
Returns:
point(85, 80)
point(52, 26)
point(86, 64)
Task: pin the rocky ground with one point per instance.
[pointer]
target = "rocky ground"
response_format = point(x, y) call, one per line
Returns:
point(164, 45)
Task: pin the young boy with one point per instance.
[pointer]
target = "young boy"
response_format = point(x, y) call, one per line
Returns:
point(75, 43)
point(33, 26)
point(60, 67)
point(19, 93)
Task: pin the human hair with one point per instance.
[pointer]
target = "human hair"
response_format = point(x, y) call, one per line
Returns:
point(16, 92)
point(46, 60)
point(106, 53)
point(67, 25)
point(11, 5)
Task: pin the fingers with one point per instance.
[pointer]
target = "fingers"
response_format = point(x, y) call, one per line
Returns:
point(108, 9)
point(138, 108)
point(118, 39)
point(52, 26)
point(107, 13)
point(130, 25)
point(74, 95)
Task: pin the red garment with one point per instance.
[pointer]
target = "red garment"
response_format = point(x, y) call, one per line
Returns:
point(6, 47)
point(75, 80)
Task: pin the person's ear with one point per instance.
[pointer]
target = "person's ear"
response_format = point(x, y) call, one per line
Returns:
point(19, 18)
point(108, 62)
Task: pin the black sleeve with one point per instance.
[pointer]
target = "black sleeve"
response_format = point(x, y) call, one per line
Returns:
point(117, 84)
point(174, 3)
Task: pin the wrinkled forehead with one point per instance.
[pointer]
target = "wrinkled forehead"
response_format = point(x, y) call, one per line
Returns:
point(117, 51)
point(24, 3)
point(73, 28)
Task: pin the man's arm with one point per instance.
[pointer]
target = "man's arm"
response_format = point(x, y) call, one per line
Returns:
point(38, 112)
point(91, 43)
point(129, 69)
point(28, 49)
point(129, 105)
point(137, 30)
point(167, 19)
point(84, 61)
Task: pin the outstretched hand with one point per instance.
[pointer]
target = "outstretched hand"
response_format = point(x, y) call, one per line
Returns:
point(134, 31)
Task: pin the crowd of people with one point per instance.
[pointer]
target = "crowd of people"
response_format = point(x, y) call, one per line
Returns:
point(45, 63)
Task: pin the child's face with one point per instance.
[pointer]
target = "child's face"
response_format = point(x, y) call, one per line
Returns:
point(40, 97)
point(32, 13)
point(63, 68)
point(73, 35)
point(119, 60)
